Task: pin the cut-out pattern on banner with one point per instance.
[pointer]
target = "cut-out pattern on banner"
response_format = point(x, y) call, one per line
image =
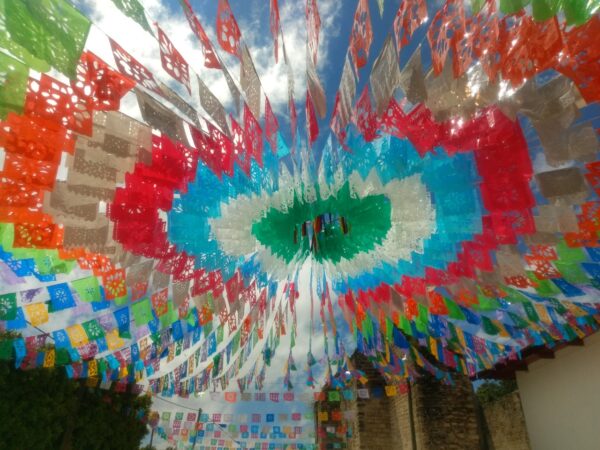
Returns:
point(458, 228)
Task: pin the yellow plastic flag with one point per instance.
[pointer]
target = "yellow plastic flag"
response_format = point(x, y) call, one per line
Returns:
point(77, 335)
point(113, 340)
point(503, 332)
point(37, 313)
point(576, 310)
point(461, 337)
point(418, 359)
point(433, 348)
point(92, 368)
point(391, 391)
point(543, 313)
point(49, 358)
point(323, 416)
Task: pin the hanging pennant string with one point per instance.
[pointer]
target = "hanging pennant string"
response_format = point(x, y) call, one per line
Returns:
point(196, 410)
point(249, 360)
point(108, 36)
point(157, 90)
point(241, 43)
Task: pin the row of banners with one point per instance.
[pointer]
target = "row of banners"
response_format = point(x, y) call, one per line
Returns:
point(496, 258)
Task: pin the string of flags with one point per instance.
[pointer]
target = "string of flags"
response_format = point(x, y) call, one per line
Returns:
point(448, 212)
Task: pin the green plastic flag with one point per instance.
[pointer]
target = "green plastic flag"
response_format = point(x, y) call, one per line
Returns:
point(405, 325)
point(6, 349)
point(422, 319)
point(578, 12)
point(389, 329)
point(93, 329)
point(207, 328)
point(191, 317)
point(14, 48)
point(454, 311)
point(88, 289)
point(489, 326)
point(220, 334)
point(476, 6)
point(333, 396)
point(142, 312)
point(512, 6)
point(572, 272)
point(13, 84)
point(134, 10)
point(518, 320)
point(8, 306)
point(49, 30)
point(486, 303)
point(531, 312)
point(570, 254)
point(544, 9)
point(545, 288)
point(558, 306)
point(7, 234)
point(62, 357)
point(172, 314)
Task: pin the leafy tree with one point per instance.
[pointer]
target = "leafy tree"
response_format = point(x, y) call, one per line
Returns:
point(44, 409)
point(491, 391)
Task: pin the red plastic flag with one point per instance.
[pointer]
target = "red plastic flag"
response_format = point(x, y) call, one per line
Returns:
point(365, 118)
point(252, 135)
point(362, 35)
point(271, 126)
point(312, 126)
point(313, 27)
point(275, 27)
point(228, 32)
point(338, 124)
point(582, 58)
point(172, 61)
point(57, 102)
point(103, 86)
point(448, 24)
point(210, 58)
point(215, 149)
point(241, 156)
point(410, 16)
point(131, 68)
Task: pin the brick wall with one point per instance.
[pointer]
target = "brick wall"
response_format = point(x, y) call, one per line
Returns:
point(506, 423)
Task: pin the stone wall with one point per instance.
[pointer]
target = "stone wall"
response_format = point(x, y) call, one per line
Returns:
point(506, 424)
point(427, 415)
point(403, 420)
point(373, 425)
point(446, 416)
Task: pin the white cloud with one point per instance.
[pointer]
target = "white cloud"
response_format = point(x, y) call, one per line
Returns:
point(141, 45)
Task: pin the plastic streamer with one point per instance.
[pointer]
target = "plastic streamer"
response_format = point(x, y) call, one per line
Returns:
point(449, 223)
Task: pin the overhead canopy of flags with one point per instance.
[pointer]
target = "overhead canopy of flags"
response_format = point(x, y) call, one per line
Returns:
point(444, 213)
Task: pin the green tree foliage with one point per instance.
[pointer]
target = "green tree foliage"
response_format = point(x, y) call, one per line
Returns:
point(491, 391)
point(43, 409)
